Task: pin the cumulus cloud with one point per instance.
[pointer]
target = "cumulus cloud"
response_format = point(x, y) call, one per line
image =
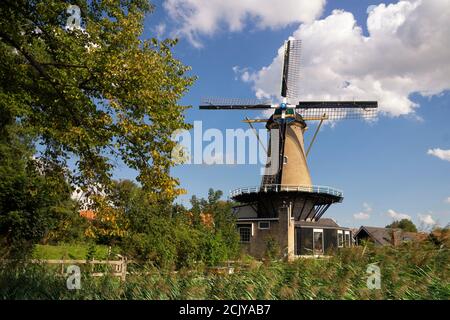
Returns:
point(370, 8)
point(427, 219)
point(405, 52)
point(440, 153)
point(364, 214)
point(206, 17)
point(397, 215)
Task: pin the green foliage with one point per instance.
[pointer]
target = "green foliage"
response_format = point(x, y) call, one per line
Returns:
point(156, 245)
point(187, 243)
point(215, 248)
point(224, 240)
point(35, 202)
point(272, 248)
point(178, 241)
point(404, 224)
point(91, 251)
point(149, 233)
point(94, 94)
point(411, 271)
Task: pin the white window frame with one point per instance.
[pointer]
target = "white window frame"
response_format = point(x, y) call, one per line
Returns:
point(339, 232)
point(259, 225)
point(349, 238)
point(314, 244)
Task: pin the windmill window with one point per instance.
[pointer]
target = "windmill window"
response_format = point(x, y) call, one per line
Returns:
point(245, 233)
point(285, 159)
point(264, 225)
point(347, 238)
point(318, 241)
point(340, 238)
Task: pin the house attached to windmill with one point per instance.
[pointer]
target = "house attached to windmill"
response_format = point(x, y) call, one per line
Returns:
point(286, 208)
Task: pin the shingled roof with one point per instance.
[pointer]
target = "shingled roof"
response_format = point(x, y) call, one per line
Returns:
point(324, 222)
point(383, 236)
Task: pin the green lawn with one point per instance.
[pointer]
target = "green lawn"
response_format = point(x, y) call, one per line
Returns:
point(70, 251)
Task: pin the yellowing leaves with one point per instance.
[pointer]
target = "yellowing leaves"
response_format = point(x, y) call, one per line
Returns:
point(115, 101)
point(108, 222)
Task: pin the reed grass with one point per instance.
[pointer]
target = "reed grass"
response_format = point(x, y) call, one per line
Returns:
point(411, 271)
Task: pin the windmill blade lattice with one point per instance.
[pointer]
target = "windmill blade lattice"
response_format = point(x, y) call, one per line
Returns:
point(290, 87)
point(234, 103)
point(338, 110)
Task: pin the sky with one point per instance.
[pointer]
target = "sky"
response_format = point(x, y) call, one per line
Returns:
point(395, 52)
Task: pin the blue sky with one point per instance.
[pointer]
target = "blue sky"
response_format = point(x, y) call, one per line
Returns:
point(383, 168)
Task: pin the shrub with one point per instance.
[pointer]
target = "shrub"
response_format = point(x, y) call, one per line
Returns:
point(272, 248)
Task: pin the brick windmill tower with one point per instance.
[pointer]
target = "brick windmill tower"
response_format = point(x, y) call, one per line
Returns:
point(286, 195)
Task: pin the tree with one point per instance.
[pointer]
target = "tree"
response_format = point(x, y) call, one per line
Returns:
point(152, 234)
point(404, 224)
point(171, 235)
point(35, 202)
point(223, 240)
point(95, 93)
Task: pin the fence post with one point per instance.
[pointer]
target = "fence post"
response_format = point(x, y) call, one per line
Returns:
point(62, 262)
point(124, 269)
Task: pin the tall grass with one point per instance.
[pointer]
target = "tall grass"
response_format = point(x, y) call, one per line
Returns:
point(412, 271)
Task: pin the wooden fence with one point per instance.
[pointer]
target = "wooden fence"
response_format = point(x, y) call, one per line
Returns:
point(119, 267)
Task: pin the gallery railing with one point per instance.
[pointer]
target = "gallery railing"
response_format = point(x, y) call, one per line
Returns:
point(287, 188)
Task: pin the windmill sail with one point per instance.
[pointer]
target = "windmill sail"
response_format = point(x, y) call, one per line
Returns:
point(290, 80)
point(234, 103)
point(337, 110)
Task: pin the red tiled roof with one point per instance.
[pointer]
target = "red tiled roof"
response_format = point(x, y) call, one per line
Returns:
point(88, 214)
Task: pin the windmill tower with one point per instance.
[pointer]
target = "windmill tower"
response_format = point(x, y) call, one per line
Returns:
point(286, 193)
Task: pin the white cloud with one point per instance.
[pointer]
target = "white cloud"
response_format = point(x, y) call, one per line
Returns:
point(440, 153)
point(206, 17)
point(160, 30)
point(242, 73)
point(367, 207)
point(406, 51)
point(397, 216)
point(365, 214)
point(361, 216)
point(427, 219)
point(370, 8)
point(447, 200)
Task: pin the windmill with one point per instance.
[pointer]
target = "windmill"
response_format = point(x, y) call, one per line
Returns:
point(290, 185)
